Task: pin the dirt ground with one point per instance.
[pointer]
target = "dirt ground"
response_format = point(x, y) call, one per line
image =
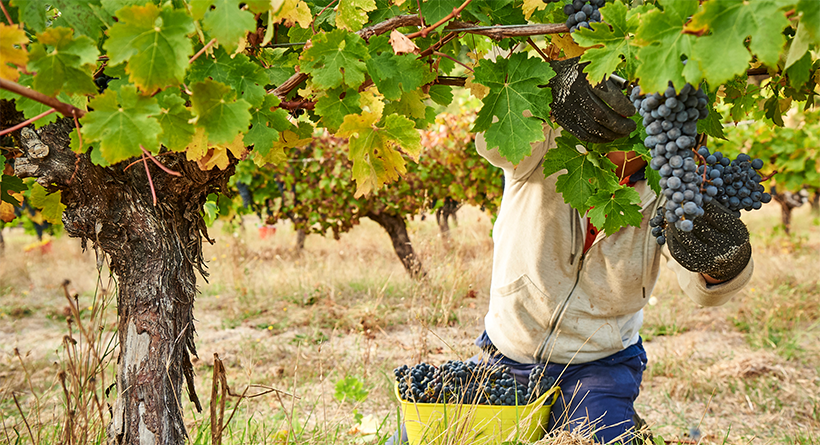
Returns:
point(302, 322)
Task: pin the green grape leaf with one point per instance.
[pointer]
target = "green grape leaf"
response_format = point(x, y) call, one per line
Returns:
point(653, 178)
point(661, 33)
point(773, 111)
point(74, 143)
point(385, 9)
point(174, 118)
point(210, 210)
point(10, 183)
point(333, 108)
point(441, 94)
point(411, 105)
point(153, 42)
point(81, 16)
point(711, 125)
point(121, 122)
point(811, 18)
point(32, 13)
point(226, 22)
point(611, 211)
point(266, 124)
point(67, 67)
point(611, 41)
point(281, 63)
point(587, 173)
point(48, 203)
point(374, 149)
point(514, 89)
point(245, 77)
point(112, 6)
point(393, 74)
point(435, 10)
point(336, 57)
point(352, 14)
point(499, 12)
point(219, 112)
point(800, 71)
point(722, 54)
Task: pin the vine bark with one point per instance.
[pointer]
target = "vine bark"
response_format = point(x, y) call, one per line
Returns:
point(154, 251)
point(396, 227)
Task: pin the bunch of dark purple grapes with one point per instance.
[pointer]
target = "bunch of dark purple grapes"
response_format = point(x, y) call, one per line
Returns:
point(459, 382)
point(671, 122)
point(580, 13)
point(736, 184)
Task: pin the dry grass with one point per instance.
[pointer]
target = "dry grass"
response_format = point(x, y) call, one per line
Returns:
point(301, 322)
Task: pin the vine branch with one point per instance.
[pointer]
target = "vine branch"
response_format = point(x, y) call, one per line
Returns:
point(313, 22)
point(26, 122)
point(499, 32)
point(496, 32)
point(537, 49)
point(436, 53)
point(366, 33)
point(455, 12)
point(199, 53)
point(8, 17)
point(67, 110)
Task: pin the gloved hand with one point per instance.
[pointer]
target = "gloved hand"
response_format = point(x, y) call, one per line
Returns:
point(717, 246)
point(593, 114)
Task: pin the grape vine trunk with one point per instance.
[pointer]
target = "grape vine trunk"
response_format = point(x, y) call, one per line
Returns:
point(155, 252)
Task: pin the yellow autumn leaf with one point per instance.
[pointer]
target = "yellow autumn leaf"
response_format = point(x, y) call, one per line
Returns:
point(294, 11)
point(530, 6)
point(477, 90)
point(6, 212)
point(198, 146)
point(372, 102)
point(287, 139)
point(566, 43)
point(217, 155)
point(9, 55)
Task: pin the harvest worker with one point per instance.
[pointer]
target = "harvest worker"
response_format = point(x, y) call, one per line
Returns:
point(565, 294)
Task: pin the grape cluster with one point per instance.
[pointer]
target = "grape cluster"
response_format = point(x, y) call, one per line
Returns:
point(538, 383)
point(245, 193)
point(102, 80)
point(671, 122)
point(733, 183)
point(580, 13)
point(459, 382)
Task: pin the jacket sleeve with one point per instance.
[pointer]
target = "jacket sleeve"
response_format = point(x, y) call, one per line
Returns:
point(695, 286)
point(527, 165)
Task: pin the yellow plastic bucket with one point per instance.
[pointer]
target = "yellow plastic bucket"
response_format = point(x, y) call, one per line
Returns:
point(439, 423)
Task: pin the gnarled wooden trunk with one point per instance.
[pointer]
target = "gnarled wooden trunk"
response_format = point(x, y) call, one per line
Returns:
point(154, 251)
point(395, 226)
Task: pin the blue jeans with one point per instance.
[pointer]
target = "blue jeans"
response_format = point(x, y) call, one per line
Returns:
point(596, 397)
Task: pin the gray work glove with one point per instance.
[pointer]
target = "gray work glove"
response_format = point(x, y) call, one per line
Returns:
point(593, 114)
point(718, 245)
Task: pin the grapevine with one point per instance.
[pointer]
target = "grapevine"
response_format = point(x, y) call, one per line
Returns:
point(209, 84)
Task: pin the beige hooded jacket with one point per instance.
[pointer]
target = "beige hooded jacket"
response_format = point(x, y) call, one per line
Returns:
point(549, 301)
